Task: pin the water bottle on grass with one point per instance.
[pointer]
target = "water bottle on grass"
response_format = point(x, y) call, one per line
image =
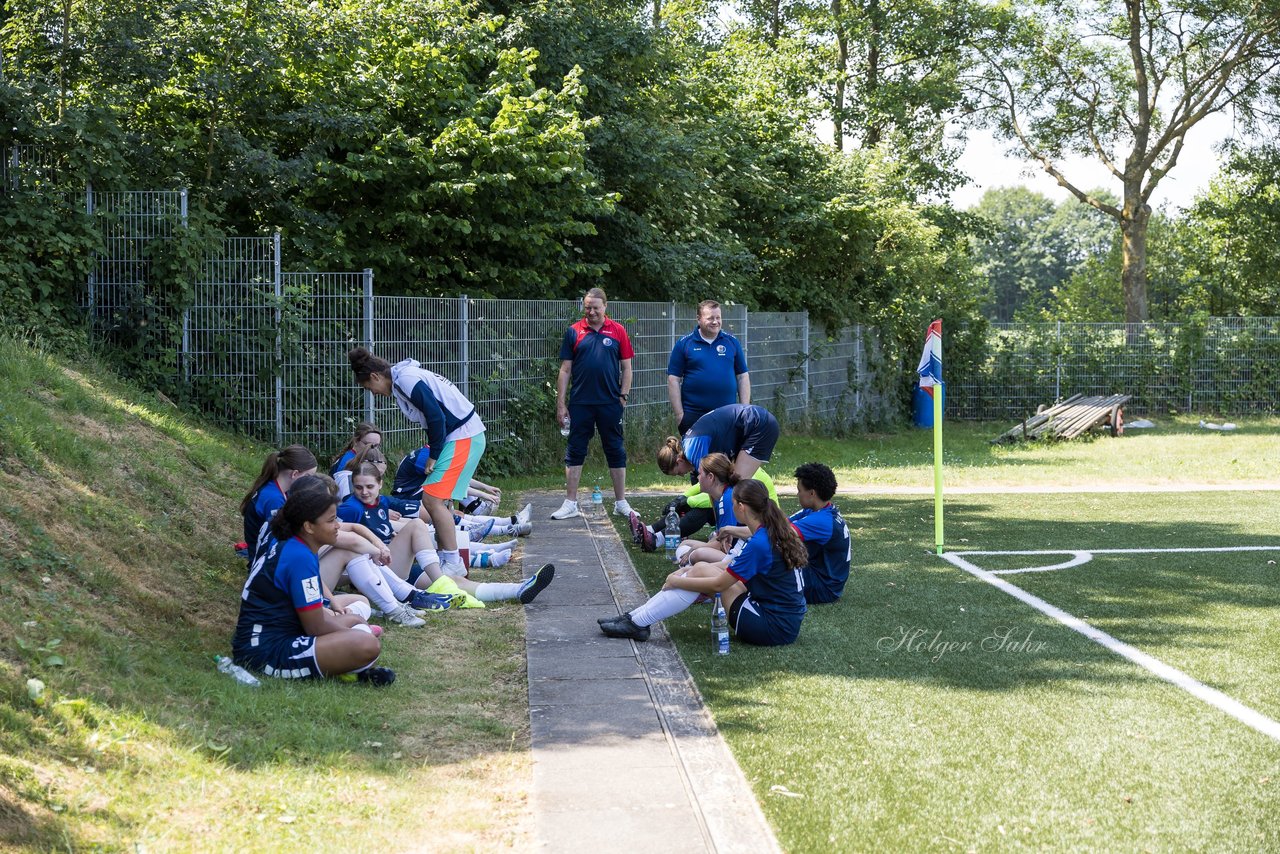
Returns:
point(720, 627)
point(671, 534)
point(235, 671)
point(597, 502)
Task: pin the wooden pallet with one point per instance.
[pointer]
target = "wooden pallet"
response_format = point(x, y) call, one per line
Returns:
point(1070, 418)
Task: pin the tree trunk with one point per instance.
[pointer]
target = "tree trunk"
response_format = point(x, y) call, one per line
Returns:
point(657, 14)
point(775, 23)
point(874, 129)
point(842, 70)
point(1133, 271)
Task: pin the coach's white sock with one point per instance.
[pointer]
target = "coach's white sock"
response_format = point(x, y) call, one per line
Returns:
point(366, 577)
point(665, 603)
point(490, 592)
point(400, 588)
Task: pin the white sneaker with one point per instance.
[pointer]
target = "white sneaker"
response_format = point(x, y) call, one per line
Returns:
point(403, 615)
point(567, 510)
point(525, 515)
point(622, 508)
point(454, 569)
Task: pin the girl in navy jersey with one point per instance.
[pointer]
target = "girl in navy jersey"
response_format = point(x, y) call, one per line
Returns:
point(267, 495)
point(285, 629)
point(745, 434)
point(763, 585)
point(415, 541)
point(717, 479)
point(371, 454)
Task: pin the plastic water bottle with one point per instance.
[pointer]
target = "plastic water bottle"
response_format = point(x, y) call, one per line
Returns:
point(597, 502)
point(564, 427)
point(671, 534)
point(235, 671)
point(720, 627)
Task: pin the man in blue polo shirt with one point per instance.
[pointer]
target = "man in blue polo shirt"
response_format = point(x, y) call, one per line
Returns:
point(707, 369)
point(596, 355)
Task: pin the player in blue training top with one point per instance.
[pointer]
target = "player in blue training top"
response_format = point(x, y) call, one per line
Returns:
point(824, 532)
point(280, 470)
point(762, 587)
point(744, 434)
point(455, 436)
point(707, 369)
point(285, 629)
point(365, 436)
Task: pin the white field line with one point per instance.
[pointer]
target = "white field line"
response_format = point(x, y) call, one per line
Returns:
point(1212, 696)
point(1080, 556)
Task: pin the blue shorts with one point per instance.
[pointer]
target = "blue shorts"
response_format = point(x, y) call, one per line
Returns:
point(587, 418)
point(752, 626)
point(280, 656)
point(760, 437)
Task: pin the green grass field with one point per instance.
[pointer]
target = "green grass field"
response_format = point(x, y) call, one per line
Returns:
point(930, 711)
point(119, 600)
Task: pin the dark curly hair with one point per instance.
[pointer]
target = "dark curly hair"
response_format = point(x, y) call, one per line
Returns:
point(817, 477)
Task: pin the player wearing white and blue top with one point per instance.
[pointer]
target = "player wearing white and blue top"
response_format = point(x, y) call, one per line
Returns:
point(825, 534)
point(285, 629)
point(455, 436)
point(762, 587)
point(707, 369)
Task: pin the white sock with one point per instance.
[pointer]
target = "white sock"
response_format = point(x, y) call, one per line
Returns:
point(400, 588)
point(363, 627)
point(361, 608)
point(665, 603)
point(447, 556)
point(682, 550)
point(489, 559)
point(504, 546)
point(490, 592)
point(366, 577)
point(426, 557)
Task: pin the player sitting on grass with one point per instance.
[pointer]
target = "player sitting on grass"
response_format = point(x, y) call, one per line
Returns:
point(763, 585)
point(825, 535)
point(267, 495)
point(365, 436)
point(371, 454)
point(285, 628)
point(717, 479)
point(694, 510)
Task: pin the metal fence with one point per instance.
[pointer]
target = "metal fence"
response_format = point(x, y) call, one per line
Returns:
point(265, 348)
point(1224, 365)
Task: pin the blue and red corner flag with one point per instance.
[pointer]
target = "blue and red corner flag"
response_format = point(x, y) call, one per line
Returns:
point(930, 369)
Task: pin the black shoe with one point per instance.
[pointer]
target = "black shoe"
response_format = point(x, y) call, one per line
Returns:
point(624, 627)
point(609, 619)
point(377, 676)
point(536, 583)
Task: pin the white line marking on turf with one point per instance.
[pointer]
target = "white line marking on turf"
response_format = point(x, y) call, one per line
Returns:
point(1212, 696)
point(1081, 556)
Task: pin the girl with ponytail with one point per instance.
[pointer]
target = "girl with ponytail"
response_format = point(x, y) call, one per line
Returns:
point(267, 495)
point(762, 586)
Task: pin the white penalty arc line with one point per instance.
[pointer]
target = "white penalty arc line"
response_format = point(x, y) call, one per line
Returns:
point(1212, 696)
point(1080, 556)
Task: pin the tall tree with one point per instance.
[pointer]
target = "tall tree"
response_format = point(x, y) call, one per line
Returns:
point(1123, 81)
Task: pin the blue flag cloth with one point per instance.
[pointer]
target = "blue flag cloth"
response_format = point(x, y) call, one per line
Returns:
point(930, 369)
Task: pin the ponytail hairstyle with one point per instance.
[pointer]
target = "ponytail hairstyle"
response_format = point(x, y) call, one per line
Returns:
point(754, 495)
point(669, 454)
point(365, 468)
point(364, 428)
point(310, 497)
point(720, 467)
point(371, 456)
point(364, 364)
point(292, 458)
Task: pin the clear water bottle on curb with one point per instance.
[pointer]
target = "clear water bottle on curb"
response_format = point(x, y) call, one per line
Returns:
point(235, 671)
point(564, 427)
point(671, 534)
point(720, 627)
point(597, 502)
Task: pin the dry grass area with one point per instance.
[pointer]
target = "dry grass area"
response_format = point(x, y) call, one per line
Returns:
point(120, 584)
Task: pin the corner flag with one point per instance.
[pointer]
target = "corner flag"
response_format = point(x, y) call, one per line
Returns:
point(930, 371)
